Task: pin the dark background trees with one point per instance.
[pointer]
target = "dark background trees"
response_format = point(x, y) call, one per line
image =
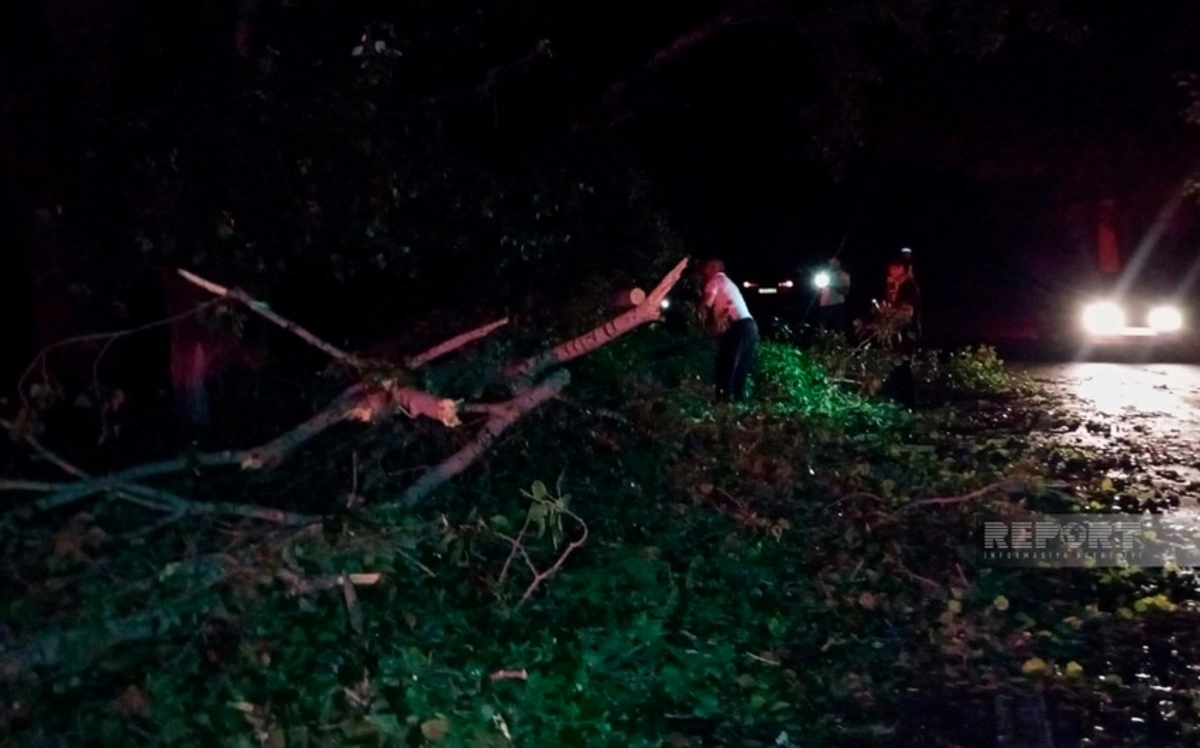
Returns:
point(469, 156)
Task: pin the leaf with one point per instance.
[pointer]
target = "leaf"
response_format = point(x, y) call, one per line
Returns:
point(537, 517)
point(1000, 603)
point(435, 729)
point(954, 606)
point(538, 489)
point(867, 600)
point(1033, 665)
point(388, 724)
point(500, 522)
point(1074, 669)
point(745, 680)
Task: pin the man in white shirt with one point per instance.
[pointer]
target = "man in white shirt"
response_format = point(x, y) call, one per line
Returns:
point(727, 315)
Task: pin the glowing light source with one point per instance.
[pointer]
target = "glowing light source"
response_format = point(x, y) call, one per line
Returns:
point(821, 279)
point(1103, 318)
point(747, 284)
point(666, 303)
point(1165, 319)
point(787, 284)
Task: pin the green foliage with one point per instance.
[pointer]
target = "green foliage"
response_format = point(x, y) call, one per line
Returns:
point(793, 382)
point(977, 370)
point(749, 579)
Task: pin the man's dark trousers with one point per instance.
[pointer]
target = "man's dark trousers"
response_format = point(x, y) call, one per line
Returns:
point(735, 356)
point(901, 384)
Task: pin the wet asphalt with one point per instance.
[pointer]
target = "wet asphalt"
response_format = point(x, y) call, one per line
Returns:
point(1148, 411)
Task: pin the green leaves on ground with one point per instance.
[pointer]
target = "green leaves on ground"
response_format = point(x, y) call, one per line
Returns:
point(749, 579)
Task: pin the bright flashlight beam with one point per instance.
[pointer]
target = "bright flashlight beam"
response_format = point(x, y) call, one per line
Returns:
point(666, 303)
point(821, 280)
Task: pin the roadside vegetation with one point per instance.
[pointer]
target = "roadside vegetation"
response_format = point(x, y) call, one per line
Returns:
point(630, 566)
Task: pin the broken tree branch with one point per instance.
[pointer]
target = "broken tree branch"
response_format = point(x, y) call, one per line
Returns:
point(649, 310)
point(153, 498)
point(500, 421)
point(265, 311)
point(455, 343)
point(367, 402)
point(85, 488)
point(147, 496)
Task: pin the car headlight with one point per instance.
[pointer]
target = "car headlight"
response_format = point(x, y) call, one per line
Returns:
point(1103, 317)
point(1165, 319)
point(821, 280)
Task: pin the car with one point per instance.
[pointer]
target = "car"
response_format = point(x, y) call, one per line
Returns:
point(1147, 317)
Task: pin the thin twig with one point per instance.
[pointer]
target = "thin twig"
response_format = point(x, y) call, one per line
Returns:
point(923, 580)
point(574, 546)
point(1007, 486)
point(31, 486)
point(265, 311)
point(764, 660)
point(412, 560)
point(32, 441)
point(107, 336)
point(515, 544)
point(153, 498)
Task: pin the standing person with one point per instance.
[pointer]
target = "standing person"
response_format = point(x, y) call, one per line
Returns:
point(904, 296)
point(727, 315)
point(832, 296)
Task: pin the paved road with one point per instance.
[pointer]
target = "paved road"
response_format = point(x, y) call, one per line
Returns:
point(1151, 411)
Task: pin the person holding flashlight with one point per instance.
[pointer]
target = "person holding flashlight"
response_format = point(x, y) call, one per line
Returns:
point(833, 283)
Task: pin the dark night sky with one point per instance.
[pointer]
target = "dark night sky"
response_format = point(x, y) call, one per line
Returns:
point(970, 163)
